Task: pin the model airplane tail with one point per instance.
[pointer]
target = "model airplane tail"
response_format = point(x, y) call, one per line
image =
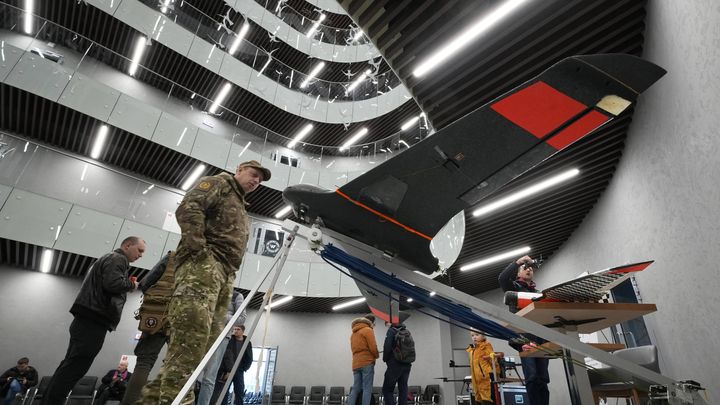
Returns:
point(400, 205)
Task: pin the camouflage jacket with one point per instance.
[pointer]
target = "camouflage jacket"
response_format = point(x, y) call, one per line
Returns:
point(213, 219)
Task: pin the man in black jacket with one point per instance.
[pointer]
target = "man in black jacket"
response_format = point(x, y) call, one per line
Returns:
point(518, 276)
point(17, 380)
point(97, 310)
point(231, 354)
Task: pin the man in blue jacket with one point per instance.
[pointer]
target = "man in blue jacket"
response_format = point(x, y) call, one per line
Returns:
point(97, 310)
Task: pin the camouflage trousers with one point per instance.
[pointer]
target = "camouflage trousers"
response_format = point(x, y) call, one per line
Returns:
point(197, 314)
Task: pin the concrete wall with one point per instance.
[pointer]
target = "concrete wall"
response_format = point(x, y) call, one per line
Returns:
point(663, 202)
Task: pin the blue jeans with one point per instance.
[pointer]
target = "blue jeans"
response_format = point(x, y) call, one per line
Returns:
point(536, 379)
point(207, 384)
point(13, 389)
point(362, 381)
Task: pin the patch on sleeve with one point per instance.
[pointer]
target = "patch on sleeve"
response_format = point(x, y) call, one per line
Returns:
point(204, 186)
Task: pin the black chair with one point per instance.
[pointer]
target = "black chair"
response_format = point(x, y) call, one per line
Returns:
point(83, 393)
point(35, 394)
point(297, 395)
point(414, 391)
point(317, 395)
point(431, 395)
point(277, 396)
point(378, 394)
point(336, 396)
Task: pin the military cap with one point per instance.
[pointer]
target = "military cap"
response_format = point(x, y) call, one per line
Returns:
point(256, 165)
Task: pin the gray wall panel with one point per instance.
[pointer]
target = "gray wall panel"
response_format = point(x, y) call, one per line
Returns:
point(663, 201)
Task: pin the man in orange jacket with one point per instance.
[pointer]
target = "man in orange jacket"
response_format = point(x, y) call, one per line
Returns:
point(365, 352)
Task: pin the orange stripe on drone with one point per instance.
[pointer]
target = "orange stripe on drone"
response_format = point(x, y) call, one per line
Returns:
point(383, 216)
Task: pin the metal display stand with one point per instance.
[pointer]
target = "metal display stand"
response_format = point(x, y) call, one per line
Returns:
point(317, 237)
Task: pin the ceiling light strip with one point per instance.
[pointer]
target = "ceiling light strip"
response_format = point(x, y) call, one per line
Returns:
point(464, 38)
point(197, 172)
point(356, 137)
point(497, 258)
point(527, 192)
point(300, 135)
point(349, 303)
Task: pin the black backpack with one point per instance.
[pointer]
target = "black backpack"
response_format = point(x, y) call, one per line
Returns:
point(404, 347)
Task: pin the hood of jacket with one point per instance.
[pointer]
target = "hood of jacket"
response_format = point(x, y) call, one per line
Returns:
point(359, 323)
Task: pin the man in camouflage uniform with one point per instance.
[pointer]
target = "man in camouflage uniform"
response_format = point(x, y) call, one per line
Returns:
point(215, 231)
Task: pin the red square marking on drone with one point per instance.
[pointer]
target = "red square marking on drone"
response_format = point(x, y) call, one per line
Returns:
point(538, 108)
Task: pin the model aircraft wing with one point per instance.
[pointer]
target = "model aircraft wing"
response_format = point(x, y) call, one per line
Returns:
point(592, 287)
point(401, 204)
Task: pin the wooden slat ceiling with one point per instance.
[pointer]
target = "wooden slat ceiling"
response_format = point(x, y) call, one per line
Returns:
point(405, 31)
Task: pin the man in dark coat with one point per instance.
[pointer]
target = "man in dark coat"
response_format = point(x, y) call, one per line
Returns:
point(17, 380)
point(97, 310)
point(231, 354)
point(397, 372)
point(518, 276)
point(113, 384)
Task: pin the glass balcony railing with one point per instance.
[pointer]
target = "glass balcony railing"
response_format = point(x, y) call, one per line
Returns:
point(372, 84)
point(75, 58)
point(317, 30)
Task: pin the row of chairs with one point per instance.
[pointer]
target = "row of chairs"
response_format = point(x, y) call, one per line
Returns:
point(83, 393)
point(336, 395)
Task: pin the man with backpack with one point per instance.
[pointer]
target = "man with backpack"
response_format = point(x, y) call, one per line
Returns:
point(398, 354)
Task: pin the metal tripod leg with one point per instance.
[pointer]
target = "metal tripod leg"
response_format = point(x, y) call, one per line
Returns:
point(277, 268)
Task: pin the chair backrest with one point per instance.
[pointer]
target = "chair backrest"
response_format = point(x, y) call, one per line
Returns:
point(336, 395)
point(430, 390)
point(377, 391)
point(414, 391)
point(317, 393)
point(645, 356)
point(85, 387)
point(278, 393)
point(297, 393)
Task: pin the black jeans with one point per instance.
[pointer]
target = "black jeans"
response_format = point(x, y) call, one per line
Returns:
point(396, 373)
point(537, 378)
point(86, 340)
